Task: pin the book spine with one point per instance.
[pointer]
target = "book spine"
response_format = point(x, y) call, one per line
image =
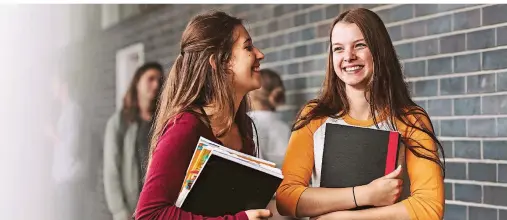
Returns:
point(392, 151)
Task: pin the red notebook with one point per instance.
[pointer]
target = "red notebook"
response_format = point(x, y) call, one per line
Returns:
point(355, 156)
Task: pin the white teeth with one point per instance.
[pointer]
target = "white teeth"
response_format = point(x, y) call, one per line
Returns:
point(256, 69)
point(354, 68)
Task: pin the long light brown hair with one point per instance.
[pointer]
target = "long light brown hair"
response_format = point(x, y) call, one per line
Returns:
point(193, 83)
point(386, 92)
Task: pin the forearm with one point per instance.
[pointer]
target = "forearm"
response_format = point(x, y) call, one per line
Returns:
point(319, 201)
point(396, 211)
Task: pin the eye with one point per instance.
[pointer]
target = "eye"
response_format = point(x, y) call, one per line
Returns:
point(338, 49)
point(361, 45)
point(249, 48)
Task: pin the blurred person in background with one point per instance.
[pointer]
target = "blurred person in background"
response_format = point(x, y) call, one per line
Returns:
point(70, 161)
point(272, 132)
point(126, 142)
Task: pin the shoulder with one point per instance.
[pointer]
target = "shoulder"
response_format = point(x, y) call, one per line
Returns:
point(313, 123)
point(185, 122)
point(417, 116)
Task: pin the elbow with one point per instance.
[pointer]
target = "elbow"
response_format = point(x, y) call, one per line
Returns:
point(287, 198)
point(430, 208)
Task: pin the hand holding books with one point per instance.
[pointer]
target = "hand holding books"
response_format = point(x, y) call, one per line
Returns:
point(258, 214)
point(384, 190)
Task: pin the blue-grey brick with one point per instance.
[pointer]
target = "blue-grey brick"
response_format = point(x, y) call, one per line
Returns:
point(273, 26)
point(301, 83)
point(482, 172)
point(288, 115)
point(453, 128)
point(285, 54)
point(439, 66)
point(279, 69)
point(321, 64)
point(493, 105)
point(467, 106)
point(426, 88)
point(323, 30)
point(455, 212)
point(405, 51)
point(289, 84)
point(482, 127)
point(421, 103)
point(467, 192)
point(395, 33)
point(467, 63)
point(502, 214)
point(315, 81)
point(260, 30)
point(494, 59)
point(501, 36)
point(502, 173)
point(300, 51)
point(293, 68)
point(467, 19)
point(300, 19)
point(495, 195)
point(293, 37)
point(285, 23)
point(385, 15)
point(425, 9)
point(332, 11)
point(440, 107)
point(284, 9)
point(495, 150)
point(481, 39)
point(502, 127)
point(439, 25)
point(501, 81)
point(279, 40)
point(316, 48)
point(448, 191)
point(467, 149)
point(402, 12)
point(448, 148)
point(316, 15)
point(311, 65)
point(436, 127)
point(455, 170)
point(414, 29)
point(426, 48)
point(415, 68)
point(270, 57)
point(494, 14)
point(263, 44)
point(308, 33)
point(305, 6)
point(452, 86)
point(483, 83)
point(453, 43)
point(480, 213)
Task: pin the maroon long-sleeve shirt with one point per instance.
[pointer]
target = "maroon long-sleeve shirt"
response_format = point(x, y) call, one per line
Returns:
point(168, 168)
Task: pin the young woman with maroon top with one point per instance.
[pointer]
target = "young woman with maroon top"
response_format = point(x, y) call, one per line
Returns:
point(204, 95)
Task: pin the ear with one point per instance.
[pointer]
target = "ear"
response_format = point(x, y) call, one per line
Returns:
point(212, 62)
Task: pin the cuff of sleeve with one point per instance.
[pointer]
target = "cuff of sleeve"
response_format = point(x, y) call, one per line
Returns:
point(409, 208)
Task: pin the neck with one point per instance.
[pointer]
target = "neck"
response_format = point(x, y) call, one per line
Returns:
point(212, 110)
point(144, 108)
point(359, 106)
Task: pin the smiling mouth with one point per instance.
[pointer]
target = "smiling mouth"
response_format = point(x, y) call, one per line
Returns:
point(256, 68)
point(353, 69)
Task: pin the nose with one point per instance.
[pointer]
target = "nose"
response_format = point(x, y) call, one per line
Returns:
point(349, 55)
point(259, 55)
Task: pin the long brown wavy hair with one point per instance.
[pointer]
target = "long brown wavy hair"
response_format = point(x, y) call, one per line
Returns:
point(130, 110)
point(193, 83)
point(386, 92)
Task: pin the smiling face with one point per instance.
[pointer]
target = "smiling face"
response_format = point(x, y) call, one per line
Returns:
point(245, 62)
point(352, 59)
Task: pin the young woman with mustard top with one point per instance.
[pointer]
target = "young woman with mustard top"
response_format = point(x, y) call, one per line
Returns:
point(364, 86)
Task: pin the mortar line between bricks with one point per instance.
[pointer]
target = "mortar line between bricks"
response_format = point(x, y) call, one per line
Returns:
point(293, 60)
point(454, 54)
point(306, 10)
point(302, 91)
point(445, 34)
point(444, 138)
point(302, 75)
point(294, 45)
point(458, 96)
point(430, 16)
point(468, 117)
point(474, 182)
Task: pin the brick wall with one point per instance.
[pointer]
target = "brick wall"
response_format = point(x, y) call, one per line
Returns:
point(454, 57)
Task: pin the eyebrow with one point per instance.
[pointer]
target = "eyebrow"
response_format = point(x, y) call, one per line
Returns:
point(247, 40)
point(362, 39)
